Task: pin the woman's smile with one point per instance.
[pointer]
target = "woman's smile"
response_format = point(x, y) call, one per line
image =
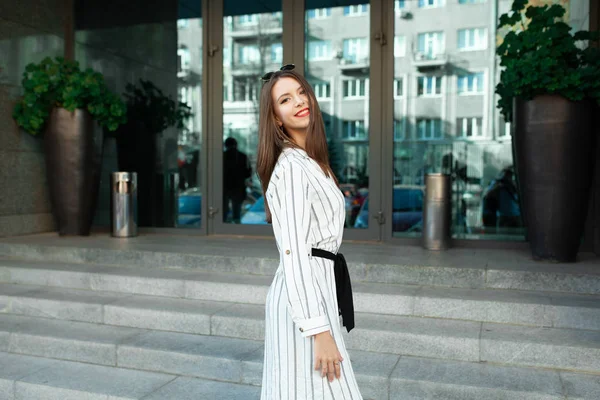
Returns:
point(302, 113)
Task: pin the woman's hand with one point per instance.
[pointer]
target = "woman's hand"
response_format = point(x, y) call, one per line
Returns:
point(327, 356)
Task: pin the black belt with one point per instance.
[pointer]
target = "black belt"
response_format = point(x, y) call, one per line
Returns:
point(343, 287)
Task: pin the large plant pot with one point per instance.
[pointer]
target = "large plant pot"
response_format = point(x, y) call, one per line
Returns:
point(554, 144)
point(73, 160)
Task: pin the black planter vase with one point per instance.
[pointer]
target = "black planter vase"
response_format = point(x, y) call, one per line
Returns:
point(554, 142)
point(73, 150)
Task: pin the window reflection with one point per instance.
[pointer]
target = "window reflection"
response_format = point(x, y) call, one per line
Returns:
point(189, 141)
point(445, 120)
point(337, 65)
point(252, 46)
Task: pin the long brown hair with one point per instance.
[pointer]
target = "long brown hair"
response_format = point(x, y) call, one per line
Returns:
point(272, 139)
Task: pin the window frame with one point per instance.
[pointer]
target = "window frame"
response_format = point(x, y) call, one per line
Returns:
point(433, 123)
point(477, 131)
point(354, 86)
point(435, 80)
point(480, 43)
point(469, 92)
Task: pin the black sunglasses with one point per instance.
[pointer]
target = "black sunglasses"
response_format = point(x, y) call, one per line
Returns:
point(267, 77)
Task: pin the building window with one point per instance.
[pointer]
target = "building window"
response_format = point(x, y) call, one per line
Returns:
point(245, 89)
point(472, 39)
point(225, 92)
point(183, 59)
point(399, 46)
point(430, 44)
point(429, 86)
point(428, 128)
point(319, 50)
point(503, 128)
point(182, 23)
point(249, 54)
point(354, 130)
point(471, 1)
point(430, 3)
point(398, 87)
point(356, 88)
point(319, 13)
point(356, 49)
point(322, 90)
point(276, 53)
point(248, 19)
point(469, 127)
point(226, 56)
point(400, 129)
point(471, 84)
point(399, 5)
point(360, 9)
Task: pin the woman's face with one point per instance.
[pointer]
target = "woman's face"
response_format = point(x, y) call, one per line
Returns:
point(290, 103)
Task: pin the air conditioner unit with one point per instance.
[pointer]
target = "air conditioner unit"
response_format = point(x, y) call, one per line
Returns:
point(420, 56)
point(403, 14)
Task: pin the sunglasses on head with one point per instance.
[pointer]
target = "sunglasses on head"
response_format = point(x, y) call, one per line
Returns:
point(267, 77)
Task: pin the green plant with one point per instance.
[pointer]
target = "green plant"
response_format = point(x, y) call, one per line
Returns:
point(61, 83)
point(149, 105)
point(542, 56)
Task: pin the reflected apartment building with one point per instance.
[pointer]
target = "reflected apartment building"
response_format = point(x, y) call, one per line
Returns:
point(445, 71)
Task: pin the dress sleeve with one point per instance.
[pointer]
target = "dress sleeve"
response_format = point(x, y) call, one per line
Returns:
point(305, 299)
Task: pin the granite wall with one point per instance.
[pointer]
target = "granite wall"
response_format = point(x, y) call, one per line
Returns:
point(29, 31)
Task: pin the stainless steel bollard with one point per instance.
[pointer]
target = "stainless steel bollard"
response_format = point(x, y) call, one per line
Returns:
point(437, 216)
point(124, 218)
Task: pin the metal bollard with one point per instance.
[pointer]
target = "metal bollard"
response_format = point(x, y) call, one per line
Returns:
point(437, 212)
point(123, 204)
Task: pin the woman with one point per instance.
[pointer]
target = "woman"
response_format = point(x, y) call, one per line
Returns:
point(305, 356)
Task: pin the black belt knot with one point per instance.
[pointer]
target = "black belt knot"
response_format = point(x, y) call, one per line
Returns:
point(343, 287)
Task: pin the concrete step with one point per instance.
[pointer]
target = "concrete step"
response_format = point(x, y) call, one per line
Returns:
point(551, 309)
point(207, 357)
point(29, 378)
point(467, 268)
point(566, 349)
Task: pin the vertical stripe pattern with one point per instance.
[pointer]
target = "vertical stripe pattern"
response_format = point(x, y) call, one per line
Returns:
point(308, 211)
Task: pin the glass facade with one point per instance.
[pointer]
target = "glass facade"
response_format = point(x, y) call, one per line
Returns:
point(449, 121)
point(338, 58)
point(189, 139)
point(442, 101)
point(254, 47)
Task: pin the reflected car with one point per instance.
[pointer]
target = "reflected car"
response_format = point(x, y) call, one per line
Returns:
point(354, 199)
point(255, 214)
point(189, 207)
point(407, 212)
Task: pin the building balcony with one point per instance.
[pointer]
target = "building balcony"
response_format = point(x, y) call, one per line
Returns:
point(428, 62)
point(253, 69)
point(354, 65)
point(268, 28)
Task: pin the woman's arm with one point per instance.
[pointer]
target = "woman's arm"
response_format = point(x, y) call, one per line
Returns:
point(305, 299)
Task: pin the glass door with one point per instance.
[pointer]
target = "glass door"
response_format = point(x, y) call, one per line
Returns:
point(250, 44)
point(336, 49)
point(443, 75)
point(341, 62)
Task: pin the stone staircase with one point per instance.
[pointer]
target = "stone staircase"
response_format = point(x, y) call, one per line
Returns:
point(84, 322)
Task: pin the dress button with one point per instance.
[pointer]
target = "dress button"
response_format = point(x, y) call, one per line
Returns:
point(287, 252)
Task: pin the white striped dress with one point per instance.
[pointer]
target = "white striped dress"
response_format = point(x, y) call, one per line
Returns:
point(308, 211)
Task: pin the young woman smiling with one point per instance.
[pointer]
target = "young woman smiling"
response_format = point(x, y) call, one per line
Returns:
point(305, 356)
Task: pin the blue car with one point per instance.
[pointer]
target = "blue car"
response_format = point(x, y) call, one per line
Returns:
point(407, 210)
point(189, 207)
point(255, 214)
